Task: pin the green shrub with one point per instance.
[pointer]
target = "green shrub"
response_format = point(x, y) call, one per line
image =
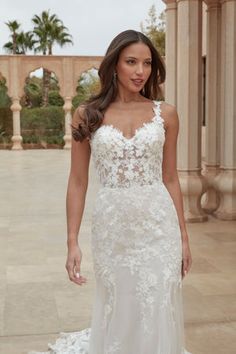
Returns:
point(5, 100)
point(32, 139)
point(6, 123)
point(45, 124)
point(78, 99)
point(42, 118)
point(55, 139)
point(55, 99)
point(33, 94)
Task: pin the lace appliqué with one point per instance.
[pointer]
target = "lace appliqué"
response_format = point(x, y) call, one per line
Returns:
point(137, 249)
point(121, 161)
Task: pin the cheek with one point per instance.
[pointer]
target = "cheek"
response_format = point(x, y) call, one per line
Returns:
point(125, 70)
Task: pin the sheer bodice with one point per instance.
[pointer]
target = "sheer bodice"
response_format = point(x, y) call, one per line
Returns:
point(122, 161)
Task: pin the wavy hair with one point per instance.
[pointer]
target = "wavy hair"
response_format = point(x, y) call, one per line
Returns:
point(96, 105)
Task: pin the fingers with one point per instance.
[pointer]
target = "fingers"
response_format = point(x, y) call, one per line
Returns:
point(186, 265)
point(183, 270)
point(80, 279)
point(74, 273)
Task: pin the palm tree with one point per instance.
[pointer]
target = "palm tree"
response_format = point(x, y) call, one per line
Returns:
point(25, 41)
point(12, 46)
point(21, 41)
point(49, 30)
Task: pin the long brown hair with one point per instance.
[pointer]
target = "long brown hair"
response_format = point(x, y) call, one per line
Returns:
point(96, 105)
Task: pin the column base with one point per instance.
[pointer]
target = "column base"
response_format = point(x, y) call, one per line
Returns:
point(225, 183)
point(67, 139)
point(67, 108)
point(193, 185)
point(211, 199)
point(17, 142)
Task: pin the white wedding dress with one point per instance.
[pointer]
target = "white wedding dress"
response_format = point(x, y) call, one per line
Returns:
point(137, 250)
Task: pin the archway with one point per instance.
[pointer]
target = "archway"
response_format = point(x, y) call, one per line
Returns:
point(6, 124)
point(42, 115)
point(87, 84)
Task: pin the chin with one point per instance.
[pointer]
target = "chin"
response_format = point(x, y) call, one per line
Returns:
point(134, 89)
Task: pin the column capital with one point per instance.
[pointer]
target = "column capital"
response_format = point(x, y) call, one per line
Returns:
point(187, 0)
point(212, 3)
point(167, 2)
point(223, 1)
point(170, 4)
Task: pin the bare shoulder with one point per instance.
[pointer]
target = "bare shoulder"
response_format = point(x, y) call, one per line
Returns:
point(168, 109)
point(169, 114)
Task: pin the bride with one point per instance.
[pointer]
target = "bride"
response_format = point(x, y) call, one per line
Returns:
point(139, 241)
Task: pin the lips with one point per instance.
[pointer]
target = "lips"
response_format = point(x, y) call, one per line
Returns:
point(138, 82)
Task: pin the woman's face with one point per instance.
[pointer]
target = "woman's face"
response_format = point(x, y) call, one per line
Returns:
point(134, 67)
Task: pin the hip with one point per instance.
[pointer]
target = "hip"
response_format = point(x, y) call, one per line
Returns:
point(137, 208)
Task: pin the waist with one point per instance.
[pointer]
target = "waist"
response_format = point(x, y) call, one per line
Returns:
point(131, 184)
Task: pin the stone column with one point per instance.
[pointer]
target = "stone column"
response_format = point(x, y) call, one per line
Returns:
point(16, 138)
point(14, 89)
point(189, 106)
point(68, 118)
point(225, 182)
point(213, 94)
point(171, 52)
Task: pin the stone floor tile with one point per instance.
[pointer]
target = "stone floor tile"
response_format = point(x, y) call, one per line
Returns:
point(37, 299)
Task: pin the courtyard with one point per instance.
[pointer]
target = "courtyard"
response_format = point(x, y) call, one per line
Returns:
point(37, 299)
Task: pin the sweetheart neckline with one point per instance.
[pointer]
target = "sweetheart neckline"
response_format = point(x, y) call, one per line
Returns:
point(138, 129)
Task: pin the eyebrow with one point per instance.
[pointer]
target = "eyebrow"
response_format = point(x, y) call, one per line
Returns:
point(130, 57)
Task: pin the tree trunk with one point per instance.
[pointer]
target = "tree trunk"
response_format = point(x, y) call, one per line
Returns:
point(46, 86)
point(14, 43)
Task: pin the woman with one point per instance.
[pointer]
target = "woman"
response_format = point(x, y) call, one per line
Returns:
point(140, 244)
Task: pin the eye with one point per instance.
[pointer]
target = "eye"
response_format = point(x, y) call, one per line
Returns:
point(131, 61)
point(148, 63)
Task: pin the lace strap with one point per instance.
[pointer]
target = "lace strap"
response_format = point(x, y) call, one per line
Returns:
point(157, 109)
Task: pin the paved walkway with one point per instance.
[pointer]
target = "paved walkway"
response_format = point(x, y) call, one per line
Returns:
point(37, 300)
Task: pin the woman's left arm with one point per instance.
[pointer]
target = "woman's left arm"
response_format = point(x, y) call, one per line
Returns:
point(170, 175)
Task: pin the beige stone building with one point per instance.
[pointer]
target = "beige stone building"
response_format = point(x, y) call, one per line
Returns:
point(201, 82)
point(68, 69)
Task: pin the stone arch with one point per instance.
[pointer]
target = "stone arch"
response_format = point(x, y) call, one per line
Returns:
point(6, 126)
point(30, 67)
point(44, 126)
point(16, 69)
point(4, 83)
point(37, 77)
point(83, 67)
point(4, 72)
point(87, 78)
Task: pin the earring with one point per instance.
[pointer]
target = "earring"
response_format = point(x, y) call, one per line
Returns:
point(114, 75)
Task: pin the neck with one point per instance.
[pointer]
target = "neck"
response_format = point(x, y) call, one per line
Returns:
point(125, 96)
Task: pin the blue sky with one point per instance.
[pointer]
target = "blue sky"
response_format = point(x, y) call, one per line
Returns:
point(92, 23)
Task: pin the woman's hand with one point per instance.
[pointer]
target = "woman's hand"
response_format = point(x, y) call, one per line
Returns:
point(74, 257)
point(186, 258)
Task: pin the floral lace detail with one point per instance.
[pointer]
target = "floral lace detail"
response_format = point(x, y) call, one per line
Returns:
point(114, 348)
point(135, 240)
point(69, 343)
point(121, 161)
point(137, 249)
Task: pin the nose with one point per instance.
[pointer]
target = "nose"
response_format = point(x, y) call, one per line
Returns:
point(139, 69)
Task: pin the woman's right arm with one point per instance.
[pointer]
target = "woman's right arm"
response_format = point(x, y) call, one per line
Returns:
point(75, 200)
